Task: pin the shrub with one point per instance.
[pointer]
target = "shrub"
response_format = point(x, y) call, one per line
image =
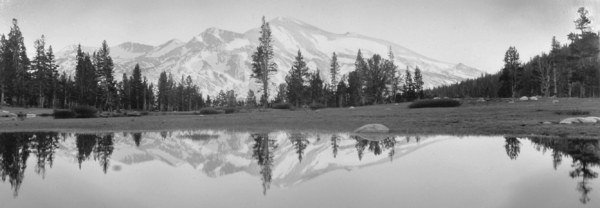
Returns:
point(282, 106)
point(315, 106)
point(572, 112)
point(208, 111)
point(229, 110)
point(64, 113)
point(434, 103)
point(84, 111)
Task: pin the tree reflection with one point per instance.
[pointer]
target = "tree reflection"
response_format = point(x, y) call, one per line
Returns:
point(513, 147)
point(15, 149)
point(263, 151)
point(44, 145)
point(585, 155)
point(100, 145)
point(137, 138)
point(375, 146)
point(103, 150)
point(300, 143)
point(334, 144)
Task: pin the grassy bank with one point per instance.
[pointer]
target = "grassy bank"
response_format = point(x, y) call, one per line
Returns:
point(471, 118)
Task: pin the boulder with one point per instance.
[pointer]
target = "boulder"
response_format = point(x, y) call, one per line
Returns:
point(570, 120)
point(533, 98)
point(524, 98)
point(7, 114)
point(584, 120)
point(587, 120)
point(134, 113)
point(351, 107)
point(372, 128)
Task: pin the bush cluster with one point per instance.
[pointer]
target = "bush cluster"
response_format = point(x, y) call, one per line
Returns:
point(439, 103)
point(77, 112)
point(64, 113)
point(282, 106)
point(208, 111)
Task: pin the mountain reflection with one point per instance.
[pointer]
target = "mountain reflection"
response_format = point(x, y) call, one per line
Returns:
point(585, 154)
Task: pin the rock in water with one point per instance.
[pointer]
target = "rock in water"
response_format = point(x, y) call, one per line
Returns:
point(372, 128)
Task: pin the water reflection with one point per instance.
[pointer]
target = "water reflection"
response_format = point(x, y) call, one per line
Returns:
point(276, 159)
point(585, 154)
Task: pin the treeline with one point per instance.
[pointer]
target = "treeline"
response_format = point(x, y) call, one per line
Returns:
point(37, 83)
point(567, 70)
point(374, 80)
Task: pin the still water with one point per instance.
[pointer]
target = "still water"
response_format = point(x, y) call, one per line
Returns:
point(209, 168)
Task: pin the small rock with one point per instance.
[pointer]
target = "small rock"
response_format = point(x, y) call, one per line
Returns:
point(533, 98)
point(546, 122)
point(555, 101)
point(481, 100)
point(351, 107)
point(372, 128)
point(524, 98)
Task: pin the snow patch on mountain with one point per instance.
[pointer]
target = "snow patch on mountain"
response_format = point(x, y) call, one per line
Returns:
point(221, 60)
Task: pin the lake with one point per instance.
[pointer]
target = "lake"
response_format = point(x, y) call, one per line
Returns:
point(215, 168)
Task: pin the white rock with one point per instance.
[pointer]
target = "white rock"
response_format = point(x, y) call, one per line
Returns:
point(587, 120)
point(533, 98)
point(480, 100)
point(584, 120)
point(351, 107)
point(524, 98)
point(372, 128)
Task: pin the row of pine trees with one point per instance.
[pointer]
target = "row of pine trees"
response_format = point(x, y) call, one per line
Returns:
point(567, 70)
point(37, 82)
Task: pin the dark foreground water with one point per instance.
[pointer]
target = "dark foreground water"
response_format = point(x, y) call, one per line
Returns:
point(279, 169)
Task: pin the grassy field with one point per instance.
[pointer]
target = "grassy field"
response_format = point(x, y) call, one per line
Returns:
point(522, 118)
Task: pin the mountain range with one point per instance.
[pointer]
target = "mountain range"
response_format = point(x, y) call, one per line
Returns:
point(218, 59)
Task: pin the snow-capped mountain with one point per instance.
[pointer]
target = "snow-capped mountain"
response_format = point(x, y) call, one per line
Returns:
point(220, 60)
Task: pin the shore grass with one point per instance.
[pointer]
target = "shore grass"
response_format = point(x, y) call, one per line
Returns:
point(497, 117)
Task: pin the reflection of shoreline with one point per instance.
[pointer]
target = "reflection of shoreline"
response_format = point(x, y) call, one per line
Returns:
point(585, 155)
point(215, 153)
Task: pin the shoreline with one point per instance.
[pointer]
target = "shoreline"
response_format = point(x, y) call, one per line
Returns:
point(499, 118)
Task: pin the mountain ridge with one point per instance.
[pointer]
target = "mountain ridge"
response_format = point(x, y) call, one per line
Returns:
point(219, 59)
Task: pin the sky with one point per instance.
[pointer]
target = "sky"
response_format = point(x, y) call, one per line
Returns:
point(473, 32)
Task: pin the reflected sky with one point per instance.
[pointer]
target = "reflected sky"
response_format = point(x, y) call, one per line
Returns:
point(282, 169)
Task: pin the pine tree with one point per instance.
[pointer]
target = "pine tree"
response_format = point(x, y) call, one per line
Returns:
point(295, 80)
point(262, 60)
point(136, 88)
point(334, 70)
point(409, 86)
point(105, 72)
point(251, 99)
point(163, 89)
point(510, 73)
point(419, 83)
point(41, 71)
point(360, 67)
point(316, 88)
point(15, 67)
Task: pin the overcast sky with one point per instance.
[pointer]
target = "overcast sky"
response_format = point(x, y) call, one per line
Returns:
point(474, 32)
